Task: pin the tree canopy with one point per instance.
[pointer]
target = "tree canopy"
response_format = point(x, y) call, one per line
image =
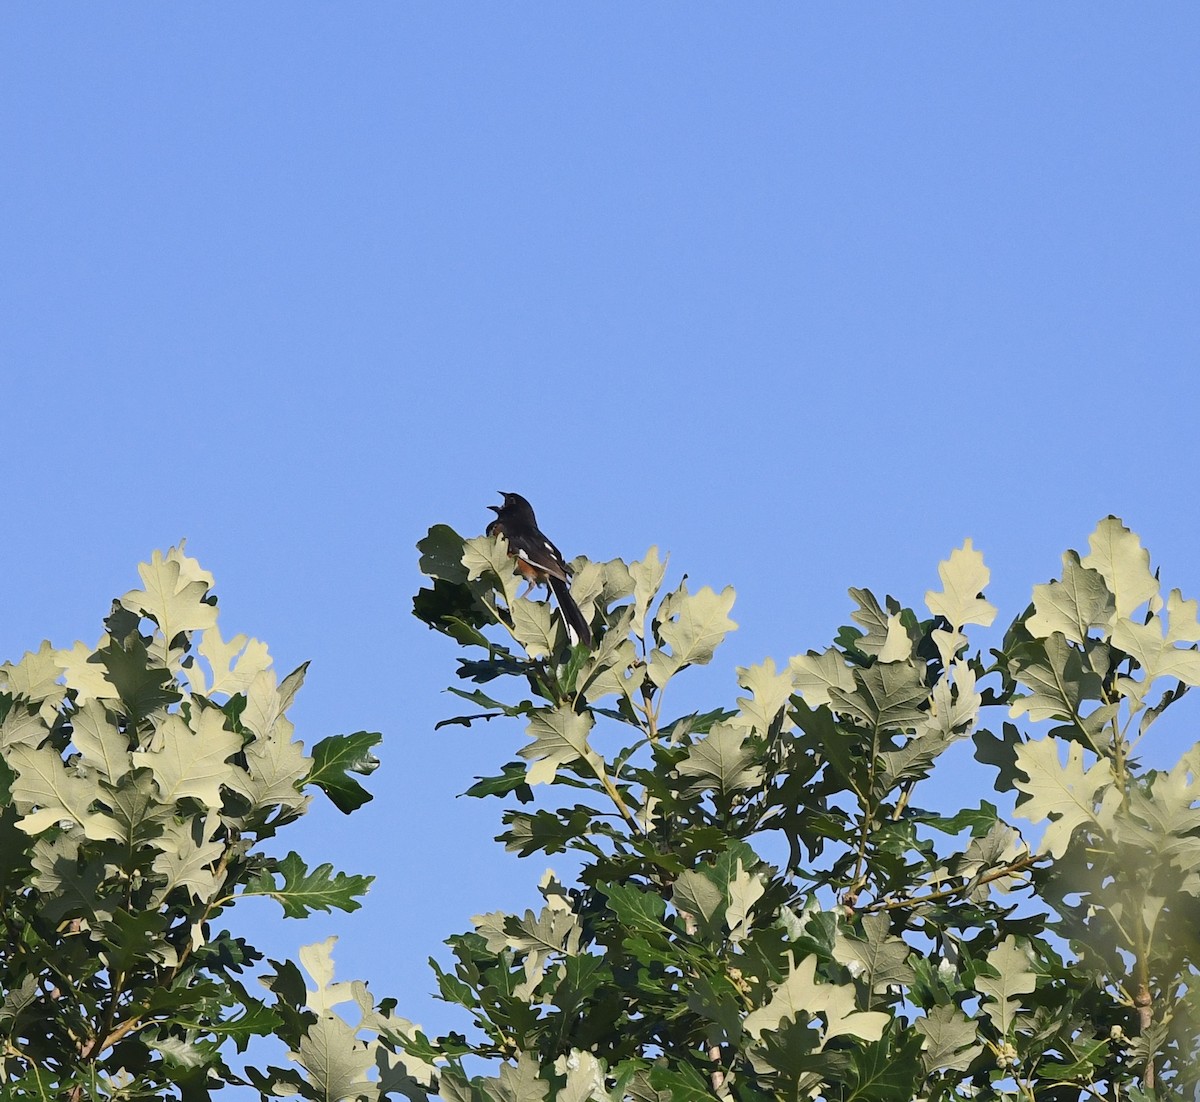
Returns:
point(754, 902)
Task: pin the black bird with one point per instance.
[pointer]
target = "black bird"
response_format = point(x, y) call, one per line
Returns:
point(538, 559)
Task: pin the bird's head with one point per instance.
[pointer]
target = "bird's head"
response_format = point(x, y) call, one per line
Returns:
point(514, 505)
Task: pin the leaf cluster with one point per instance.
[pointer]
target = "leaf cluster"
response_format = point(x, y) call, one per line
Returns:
point(139, 781)
point(763, 909)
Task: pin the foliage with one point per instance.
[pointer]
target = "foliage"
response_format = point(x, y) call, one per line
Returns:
point(139, 782)
point(762, 910)
point(758, 908)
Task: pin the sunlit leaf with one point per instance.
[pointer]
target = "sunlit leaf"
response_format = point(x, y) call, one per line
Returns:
point(47, 794)
point(1117, 554)
point(801, 994)
point(816, 674)
point(190, 762)
point(647, 575)
point(1073, 606)
point(1013, 978)
point(881, 959)
point(1067, 794)
point(964, 578)
point(173, 588)
point(692, 625)
point(560, 737)
point(770, 692)
point(950, 1039)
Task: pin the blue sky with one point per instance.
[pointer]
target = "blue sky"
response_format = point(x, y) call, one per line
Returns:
point(804, 295)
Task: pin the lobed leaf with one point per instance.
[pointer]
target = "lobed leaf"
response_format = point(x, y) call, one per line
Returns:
point(1073, 606)
point(334, 758)
point(964, 578)
point(560, 737)
point(693, 626)
point(303, 891)
point(1002, 991)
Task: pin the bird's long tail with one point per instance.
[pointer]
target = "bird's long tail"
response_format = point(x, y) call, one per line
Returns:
point(577, 627)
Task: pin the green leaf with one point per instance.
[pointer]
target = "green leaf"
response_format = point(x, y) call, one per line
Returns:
point(1117, 554)
point(647, 576)
point(887, 696)
point(693, 626)
point(964, 578)
point(980, 819)
point(681, 1083)
point(20, 998)
point(951, 1041)
point(1068, 793)
point(1000, 752)
point(1056, 673)
point(453, 610)
point(442, 554)
point(1091, 1057)
point(134, 939)
point(335, 757)
point(66, 888)
point(1074, 606)
point(255, 1020)
point(560, 737)
point(879, 958)
point(722, 761)
point(302, 891)
point(695, 894)
point(883, 1072)
point(143, 688)
point(800, 994)
point(335, 1061)
point(189, 762)
point(1013, 978)
point(173, 594)
point(136, 808)
point(637, 910)
point(511, 780)
point(914, 759)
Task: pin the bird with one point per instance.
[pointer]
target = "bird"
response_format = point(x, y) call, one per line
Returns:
point(538, 560)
